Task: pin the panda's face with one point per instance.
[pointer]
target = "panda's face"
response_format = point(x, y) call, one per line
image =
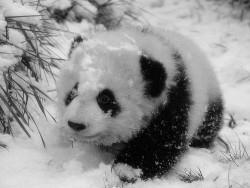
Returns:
point(107, 93)
point(101, 98)
point(104, 116)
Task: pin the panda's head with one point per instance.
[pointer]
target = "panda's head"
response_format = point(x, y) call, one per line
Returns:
point(109, 91)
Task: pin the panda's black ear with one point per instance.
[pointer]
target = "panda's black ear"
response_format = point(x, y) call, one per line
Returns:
point(77, 40)
point(154, 74)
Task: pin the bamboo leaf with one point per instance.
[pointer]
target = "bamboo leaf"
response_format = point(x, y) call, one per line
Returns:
point(50, 115)
point(40, 91)
point(15, 116)
point(44, 144)
point(38, 100)
point(24, 91)
point(14, 105)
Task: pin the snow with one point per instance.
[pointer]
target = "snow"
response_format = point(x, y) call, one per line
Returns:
point(63, 164)
point(126, 171)
point(19, 12)
point(3, 24)
point(61, 4)
point(9, 54)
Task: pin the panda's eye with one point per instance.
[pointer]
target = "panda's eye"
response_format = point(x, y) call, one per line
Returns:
point(71, 95)
point(104, 99)
point(108, 103)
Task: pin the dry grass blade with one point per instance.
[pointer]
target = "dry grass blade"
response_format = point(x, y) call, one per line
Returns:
point(2, 145)
point(40, 91)
point(235, 154)
point(232, 123)
point(31, 44)
point(38, 61)
point(26, 16)
point(14, 115)
point(11, 103)
point(4, 120)
point(44, 145)
point(25, 93)
point(37, 37)
point(31, 85)
point(190, 176)
point(38, 100)
point(50, 115)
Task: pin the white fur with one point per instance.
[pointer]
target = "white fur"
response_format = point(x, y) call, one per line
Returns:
point(111, 60)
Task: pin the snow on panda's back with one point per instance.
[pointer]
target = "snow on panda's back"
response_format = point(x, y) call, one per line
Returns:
point(140, 86)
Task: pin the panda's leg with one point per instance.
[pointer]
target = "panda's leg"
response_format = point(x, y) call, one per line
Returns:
point(211, 125)
point(159, 146)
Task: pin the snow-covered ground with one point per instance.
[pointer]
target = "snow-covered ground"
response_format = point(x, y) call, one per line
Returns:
point(226, 41)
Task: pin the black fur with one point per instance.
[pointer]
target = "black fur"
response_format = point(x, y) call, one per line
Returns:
point(211, 125)
point(159, 146)
point(77, 40)
point(107, 102)
point(71, 95)
point(153, 72)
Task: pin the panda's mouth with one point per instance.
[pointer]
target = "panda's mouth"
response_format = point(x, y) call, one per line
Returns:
point(84, 139)
point(92, 136)
point(88, 139)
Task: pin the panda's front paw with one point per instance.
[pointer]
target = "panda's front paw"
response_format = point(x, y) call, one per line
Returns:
point(126, 173)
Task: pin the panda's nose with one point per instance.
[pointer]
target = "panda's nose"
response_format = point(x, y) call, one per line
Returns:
point(76, 126)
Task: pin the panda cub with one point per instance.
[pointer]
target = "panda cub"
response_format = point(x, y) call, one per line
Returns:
point(143, 94)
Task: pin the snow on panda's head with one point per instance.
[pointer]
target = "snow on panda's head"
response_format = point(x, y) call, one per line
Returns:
point(101, 95)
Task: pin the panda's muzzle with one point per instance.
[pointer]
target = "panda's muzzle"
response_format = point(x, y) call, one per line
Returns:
point(76, 126)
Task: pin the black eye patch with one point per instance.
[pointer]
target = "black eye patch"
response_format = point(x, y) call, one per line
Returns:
point(107, 102)
point(71, 95)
